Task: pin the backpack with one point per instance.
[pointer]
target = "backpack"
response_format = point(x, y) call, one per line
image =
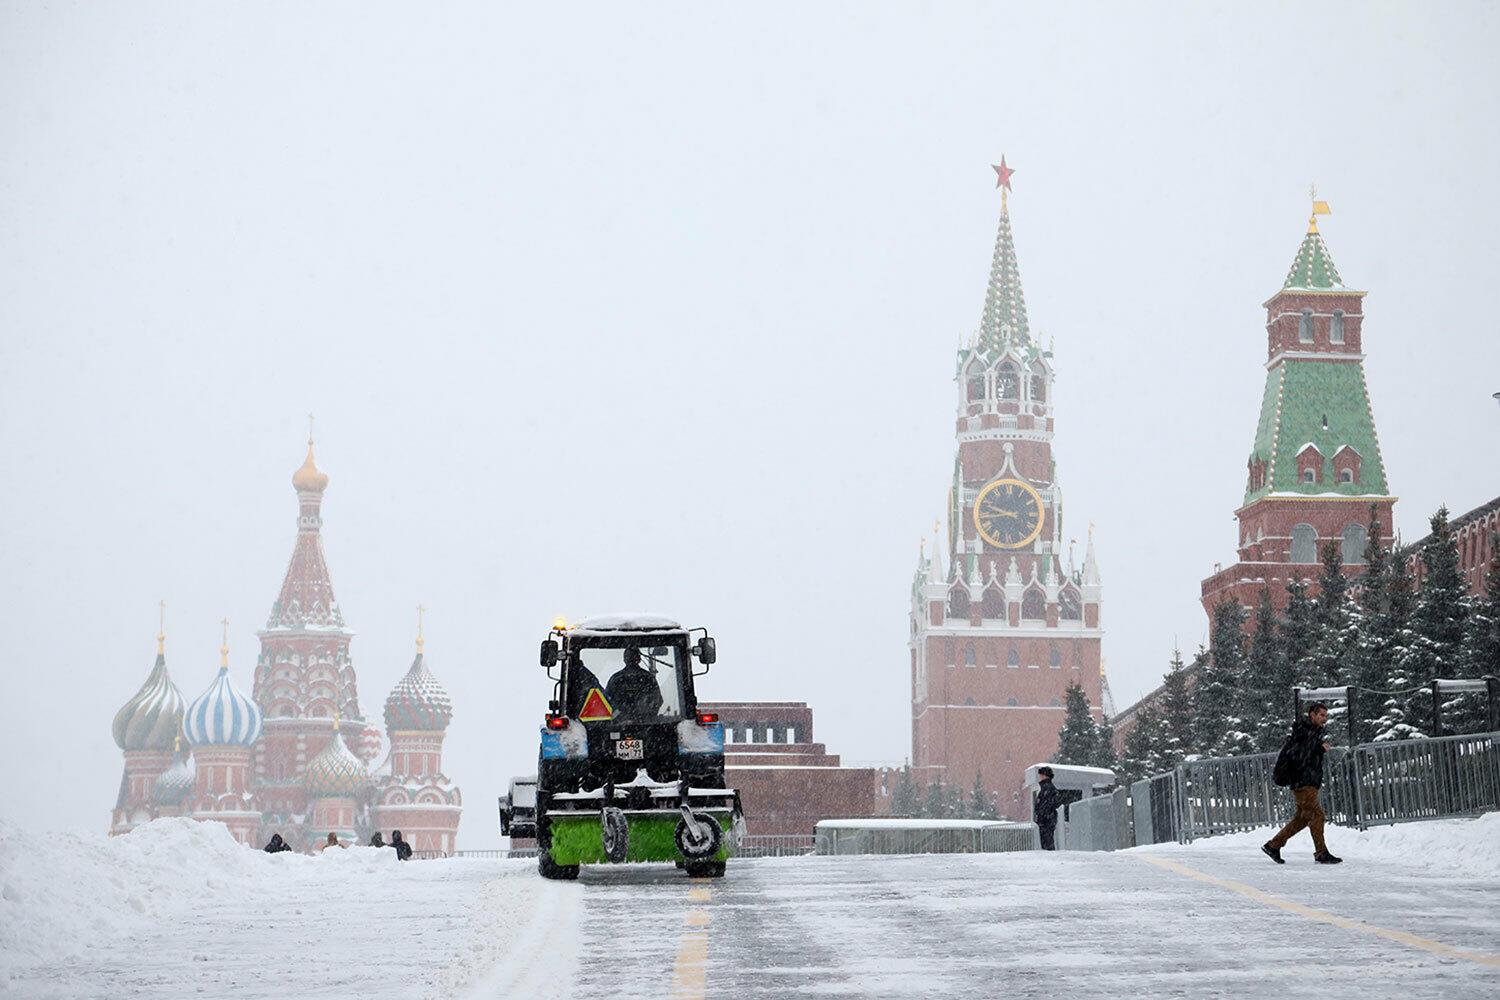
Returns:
point(1286, 764)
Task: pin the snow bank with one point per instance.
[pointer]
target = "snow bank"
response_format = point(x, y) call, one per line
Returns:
point(177, 908)
point(61, 894)
point(1453, 846)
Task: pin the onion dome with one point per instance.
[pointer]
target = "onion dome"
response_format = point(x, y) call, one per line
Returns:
point(151, 719)
point(418, 702)
point(174, 784)
point(308, 479)
point(223, 715)
point(335, 772)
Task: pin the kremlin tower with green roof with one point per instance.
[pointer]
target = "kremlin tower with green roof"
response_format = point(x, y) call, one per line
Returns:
point(1315, 469)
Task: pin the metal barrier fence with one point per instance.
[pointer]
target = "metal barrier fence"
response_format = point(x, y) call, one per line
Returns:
point(1097, 823)
point(774, 845)
point(1408, 780)
point(933, 837)
point(1371, 785)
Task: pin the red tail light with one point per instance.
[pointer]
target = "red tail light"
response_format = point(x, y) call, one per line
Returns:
point(707, 718)
point(557, 722)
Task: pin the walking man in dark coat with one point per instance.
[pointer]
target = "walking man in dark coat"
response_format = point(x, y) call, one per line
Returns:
point(277, 845)
point(1047, 801)
point(1303, 757)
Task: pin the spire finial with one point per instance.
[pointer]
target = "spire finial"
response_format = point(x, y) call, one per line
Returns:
point(420, 641)
point(161, 628)
point(335, 720)
point(1318, 208)
point(177, 743)
point(1002, 180)
point(224, 649)
point(309, 428)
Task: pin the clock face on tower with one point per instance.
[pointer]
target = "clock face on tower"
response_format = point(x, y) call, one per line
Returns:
point(1008, 514)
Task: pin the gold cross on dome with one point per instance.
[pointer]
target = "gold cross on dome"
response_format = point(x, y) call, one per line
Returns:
point(309, 428)
point(421, 608)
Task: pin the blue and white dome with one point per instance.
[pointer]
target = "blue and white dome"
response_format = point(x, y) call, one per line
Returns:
point(222, 715)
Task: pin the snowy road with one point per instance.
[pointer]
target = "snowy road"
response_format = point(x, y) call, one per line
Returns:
point(178, 910)
point(1077, 925)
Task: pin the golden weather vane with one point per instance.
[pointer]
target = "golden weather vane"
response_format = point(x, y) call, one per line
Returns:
point(1318, 208)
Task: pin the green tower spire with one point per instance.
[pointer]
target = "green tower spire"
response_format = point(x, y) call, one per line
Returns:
point(1004, 318)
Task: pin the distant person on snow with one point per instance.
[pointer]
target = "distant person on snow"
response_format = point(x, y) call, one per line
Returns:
point(1047, 801)
point(277, 845)
point(403, 849)
point(332, 841)
point(1300, 767)
point(377, 840)
point(632, 692)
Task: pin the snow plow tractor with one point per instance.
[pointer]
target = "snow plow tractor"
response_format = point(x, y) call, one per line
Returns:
point(629, 769)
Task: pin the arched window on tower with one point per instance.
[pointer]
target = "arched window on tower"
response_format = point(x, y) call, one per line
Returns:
point(993, 604)
point(958, 602)
point(1054, 658)
point(1034, 604)
point(1304, 327)
point(1038, 383)
point(1070, 605)
point(1008, 381)
point(1336, 328)
point(1012, 658)
point(1304, 544)
point(976, 385)
point(1355, 539)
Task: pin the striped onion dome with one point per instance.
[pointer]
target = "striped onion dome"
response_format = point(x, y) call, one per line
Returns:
point(174, 784)
point(222, 715)
point(150, 720)
point(418, 702)
point(335, 772)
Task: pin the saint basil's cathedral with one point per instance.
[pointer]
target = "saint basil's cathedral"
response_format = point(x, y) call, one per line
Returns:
point(1002, 620)
point(294, 756)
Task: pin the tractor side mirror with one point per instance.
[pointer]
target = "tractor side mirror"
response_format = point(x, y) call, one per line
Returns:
point(549, 652)
point(707, 651)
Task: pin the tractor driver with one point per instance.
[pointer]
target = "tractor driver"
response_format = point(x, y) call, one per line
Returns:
point(632, 691)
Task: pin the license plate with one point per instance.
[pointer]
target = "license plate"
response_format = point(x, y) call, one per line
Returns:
point(630, 749)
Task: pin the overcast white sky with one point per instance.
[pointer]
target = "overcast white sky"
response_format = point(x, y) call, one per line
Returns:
point(604, 308)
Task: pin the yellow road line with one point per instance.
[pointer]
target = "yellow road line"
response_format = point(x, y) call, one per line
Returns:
point(690, 971)
point(1250, 892)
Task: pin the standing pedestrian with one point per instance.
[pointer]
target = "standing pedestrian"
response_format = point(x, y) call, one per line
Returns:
point(1045, 811)
point(332, 841)
point(403, 849)
point(277, 845)
point(1300, 767)
point(377, 840)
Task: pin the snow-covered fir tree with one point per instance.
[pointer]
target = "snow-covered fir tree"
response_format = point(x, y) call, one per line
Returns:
point(1437, 642)
point(981, 802)
point(1104, 746)
point(1177, 739)
point(1482, 631)
point(904, 800)
point(1266, 695)
point(936, 806)
point(1299, 631)
point(1395, 720)
point(1077, 740)
point(1140, 756)
point(1220, 730)
point(1334, 658)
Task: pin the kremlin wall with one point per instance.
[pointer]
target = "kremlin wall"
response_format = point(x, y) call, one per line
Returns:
point(294, 756)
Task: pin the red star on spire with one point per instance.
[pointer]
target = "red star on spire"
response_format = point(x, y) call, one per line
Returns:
point(1002, 174)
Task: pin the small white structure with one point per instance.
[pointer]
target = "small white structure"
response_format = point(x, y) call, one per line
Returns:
point(923, 836)
point(1086, 781)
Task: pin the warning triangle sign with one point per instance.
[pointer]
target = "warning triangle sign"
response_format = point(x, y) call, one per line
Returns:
point(595, 708)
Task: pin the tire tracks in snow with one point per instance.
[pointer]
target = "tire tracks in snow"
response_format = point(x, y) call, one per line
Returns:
point(525, 941)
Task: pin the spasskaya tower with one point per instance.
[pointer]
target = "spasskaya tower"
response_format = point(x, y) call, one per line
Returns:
point(1001, 619)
